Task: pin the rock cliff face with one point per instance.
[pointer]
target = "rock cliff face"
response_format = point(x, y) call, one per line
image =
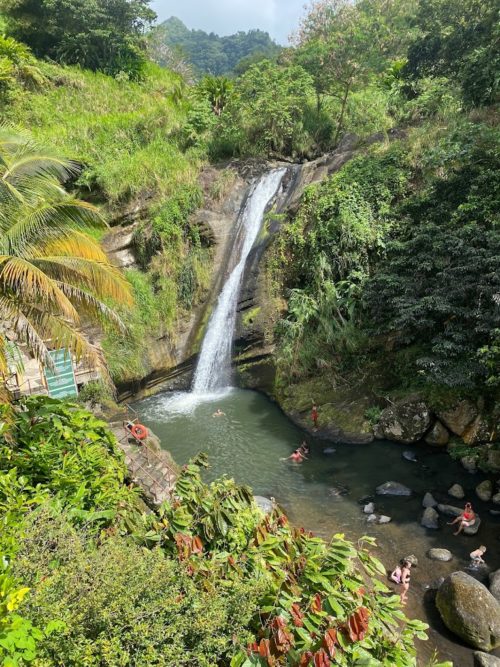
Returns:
point(171, 359)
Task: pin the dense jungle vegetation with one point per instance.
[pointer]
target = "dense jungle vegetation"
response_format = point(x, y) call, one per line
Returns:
point(172, 44)
point(388, 273)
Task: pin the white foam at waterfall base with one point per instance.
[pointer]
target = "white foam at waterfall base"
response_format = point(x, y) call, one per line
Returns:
point(213, 371)
point(183, 403)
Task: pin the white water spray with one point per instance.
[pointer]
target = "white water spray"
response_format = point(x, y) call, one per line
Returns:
point(213, 372)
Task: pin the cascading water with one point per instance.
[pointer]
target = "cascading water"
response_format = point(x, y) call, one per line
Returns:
point(214, 365)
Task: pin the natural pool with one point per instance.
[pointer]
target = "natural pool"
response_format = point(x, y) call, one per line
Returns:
point(248, 442)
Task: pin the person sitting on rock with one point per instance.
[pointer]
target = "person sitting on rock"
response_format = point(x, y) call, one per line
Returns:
point(466, 519)
point(476, 557)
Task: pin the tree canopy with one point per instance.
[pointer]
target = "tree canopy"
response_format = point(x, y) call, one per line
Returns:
point(207, 52)
point(105, 35)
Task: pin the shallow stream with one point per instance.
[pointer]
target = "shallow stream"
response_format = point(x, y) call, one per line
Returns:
point(323, 493)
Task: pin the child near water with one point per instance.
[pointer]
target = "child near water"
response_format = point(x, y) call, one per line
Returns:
point(476, 557)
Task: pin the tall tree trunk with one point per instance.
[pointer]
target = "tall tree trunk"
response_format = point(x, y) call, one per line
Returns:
point(340, 121)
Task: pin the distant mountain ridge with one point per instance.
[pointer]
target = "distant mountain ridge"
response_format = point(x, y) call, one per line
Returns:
point(207, 52)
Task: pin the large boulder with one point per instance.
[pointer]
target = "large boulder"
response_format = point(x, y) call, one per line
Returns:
point(404, 422)
point(429, 500)
point(495, 584)
point(440, 554)
point(492, 461)
point(484, 490)
point(459, 416)
point(477, 432)
point(430, 518)
point(264, 504)
point(470, 611)
point(485, 660)
point(393, 489)
point(450, 510)
point(470, 462)
point(438, 436)
point(456, 491)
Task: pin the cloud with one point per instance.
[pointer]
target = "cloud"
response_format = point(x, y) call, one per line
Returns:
point(278, 17)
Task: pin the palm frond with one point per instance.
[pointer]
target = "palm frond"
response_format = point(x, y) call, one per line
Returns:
point(29, 283)
point(103, 279)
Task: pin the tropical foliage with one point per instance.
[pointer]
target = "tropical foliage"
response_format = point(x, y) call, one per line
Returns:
point(208, 53)
point(52, 274)
point(95, 35)
point(276, 595)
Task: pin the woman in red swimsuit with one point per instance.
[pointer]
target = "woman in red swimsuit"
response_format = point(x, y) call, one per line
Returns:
point(466, 519)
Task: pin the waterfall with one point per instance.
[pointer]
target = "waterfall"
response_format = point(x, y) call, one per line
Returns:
point(213, 371)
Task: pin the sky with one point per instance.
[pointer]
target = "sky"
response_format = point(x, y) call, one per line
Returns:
point(225, 17)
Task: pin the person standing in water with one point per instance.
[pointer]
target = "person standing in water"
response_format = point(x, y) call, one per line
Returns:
point(314, 416)
point(405, 581)
point(476, 557)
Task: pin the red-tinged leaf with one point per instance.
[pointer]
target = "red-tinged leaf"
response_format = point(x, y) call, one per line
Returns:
point(330, 641)
point(321, 659)
point(297, 615)
point(361, 591)
point(278, 622)
point(305, 659)
point(264, 650)
point(196, 545)
point(316, 604)
point(282, 520)
point(357, 624)
point(253, 647)
point(231, 561)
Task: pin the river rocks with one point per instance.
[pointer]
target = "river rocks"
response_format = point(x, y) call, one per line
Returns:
point(429, 500)
point(409, 455)
point(456, 491)
point(469, 463)
point(412, 559)
point(496, 499)
point(495, 584)
point(477, 432)
point(459, 417)
point(470, 611)
point(440, 554)
point(450, 510)
point(438, 436)
point(369, 508)
point(485, 660)
point(264, 504)
point(373, 518)
point(404, 422)
point(430, 519)
point(393, 489)
point(492, 462)
point(472, 530)
point(484, 490)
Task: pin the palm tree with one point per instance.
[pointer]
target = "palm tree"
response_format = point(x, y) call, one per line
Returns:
point(52, 273)
point(217, 89)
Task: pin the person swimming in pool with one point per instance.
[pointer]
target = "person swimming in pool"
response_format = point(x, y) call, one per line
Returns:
point(219, 413)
